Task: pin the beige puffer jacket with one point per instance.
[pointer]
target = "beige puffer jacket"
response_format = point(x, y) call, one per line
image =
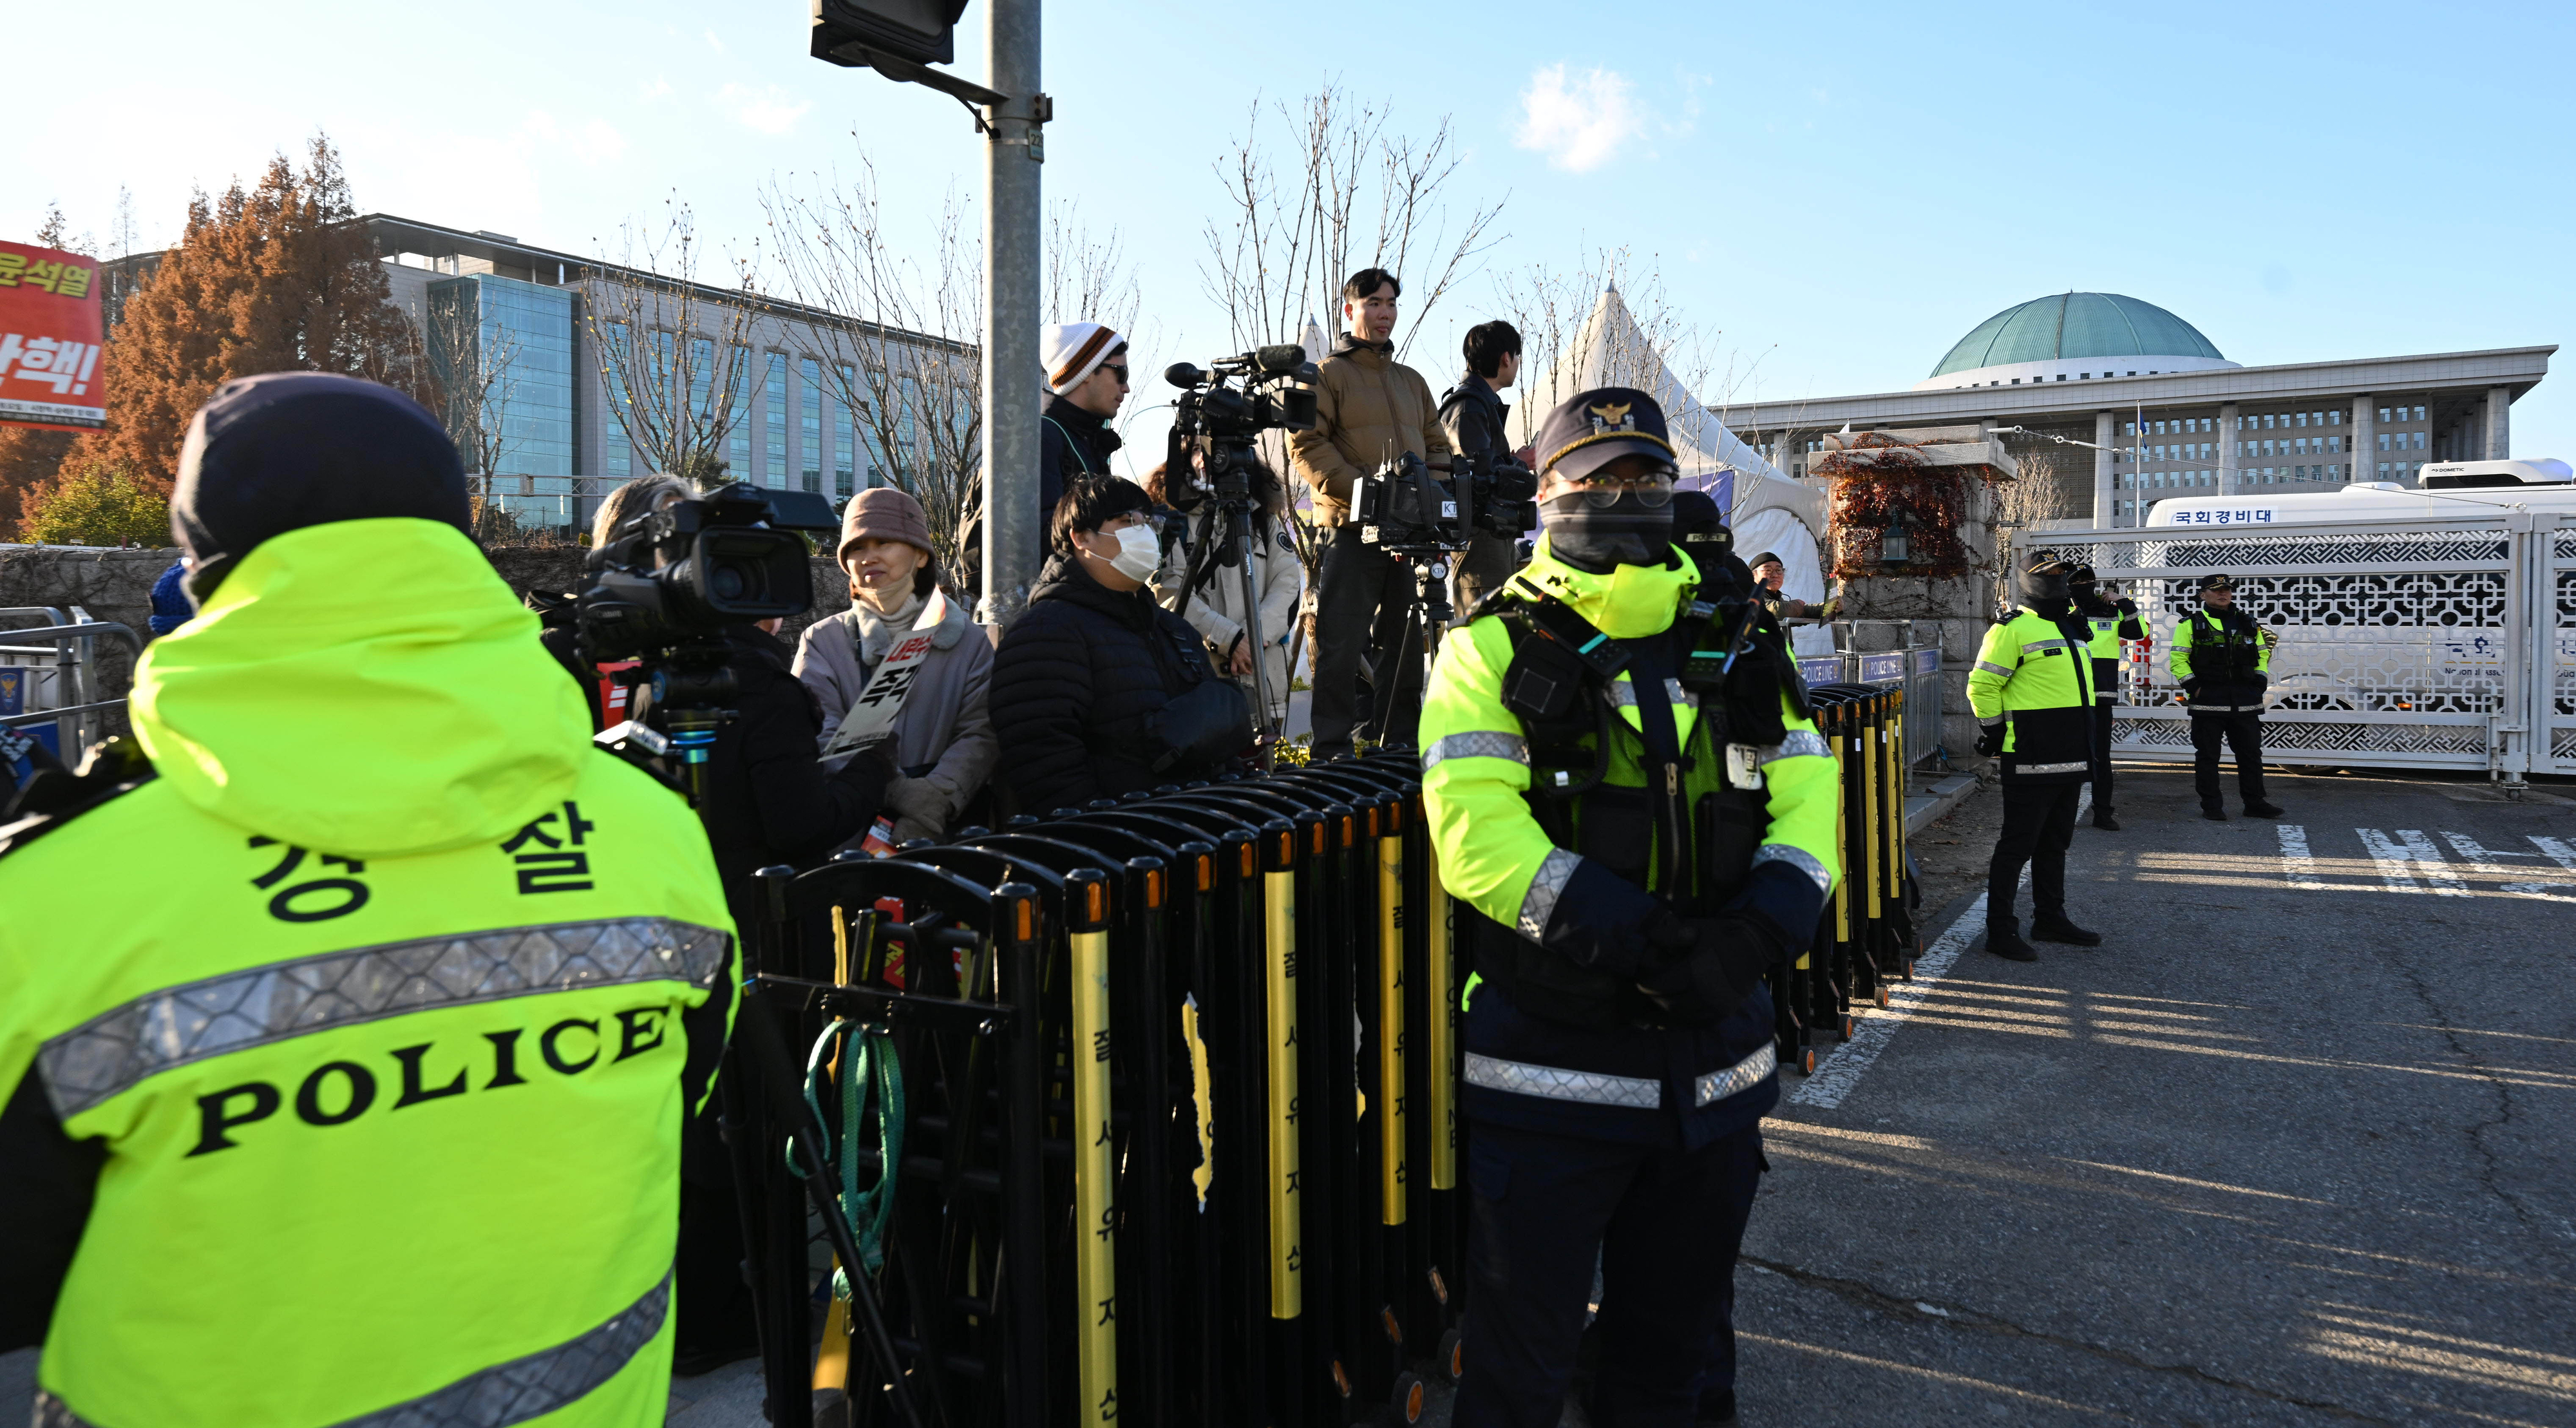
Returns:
point(1368, 407)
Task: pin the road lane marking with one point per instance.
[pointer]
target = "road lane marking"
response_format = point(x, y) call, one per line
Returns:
point(2295, 861)
point(2558, 850)
point(2483, 864)
point(1840, 1072)
point(2410, 848)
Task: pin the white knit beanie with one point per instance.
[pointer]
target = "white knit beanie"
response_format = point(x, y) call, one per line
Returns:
point(1072, 351)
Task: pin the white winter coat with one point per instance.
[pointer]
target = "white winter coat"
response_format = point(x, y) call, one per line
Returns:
point(1217, 611)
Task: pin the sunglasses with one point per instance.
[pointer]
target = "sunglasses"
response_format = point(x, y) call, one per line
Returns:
point(1118, 371)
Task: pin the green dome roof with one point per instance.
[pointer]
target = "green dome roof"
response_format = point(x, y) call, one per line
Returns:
point(2074, 326)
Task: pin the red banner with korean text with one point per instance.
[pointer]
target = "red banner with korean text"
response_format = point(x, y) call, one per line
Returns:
point(50, 334)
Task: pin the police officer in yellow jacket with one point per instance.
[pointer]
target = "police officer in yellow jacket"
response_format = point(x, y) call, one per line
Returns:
point(2032, 689)
point(345, 1039)
point(1625, 792)
point(2110, 622)
point(2223, 660)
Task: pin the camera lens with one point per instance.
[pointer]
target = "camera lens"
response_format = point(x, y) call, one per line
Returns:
point(728, 581)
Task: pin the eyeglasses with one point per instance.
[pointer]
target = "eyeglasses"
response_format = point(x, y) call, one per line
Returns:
point(1117, 371)
point(1602, 492)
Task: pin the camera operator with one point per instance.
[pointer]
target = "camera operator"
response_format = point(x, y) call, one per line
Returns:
point(1200, 587)
point(1472, 413)
point(1097, 690)
point(559, 616)
point(471, 974)
point(1087, 381)
point(1368, 408)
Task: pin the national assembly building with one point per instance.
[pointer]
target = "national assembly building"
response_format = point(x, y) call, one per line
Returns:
point(2165, 413)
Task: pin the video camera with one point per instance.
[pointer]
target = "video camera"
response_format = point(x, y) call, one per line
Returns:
point(670, 577)
point(1406, 508)
point(1223, 420)
point(666, 584)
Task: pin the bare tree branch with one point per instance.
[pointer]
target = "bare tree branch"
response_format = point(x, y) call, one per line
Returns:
point(681, 360)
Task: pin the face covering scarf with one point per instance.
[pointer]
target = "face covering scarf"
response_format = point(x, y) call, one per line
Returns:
point(2046, 593)
point(1596, 532)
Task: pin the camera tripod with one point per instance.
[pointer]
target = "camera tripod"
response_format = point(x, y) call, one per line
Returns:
point(1236, 537)
point(1426, 615)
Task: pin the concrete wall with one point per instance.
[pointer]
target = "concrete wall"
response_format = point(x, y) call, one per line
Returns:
point(116, 586)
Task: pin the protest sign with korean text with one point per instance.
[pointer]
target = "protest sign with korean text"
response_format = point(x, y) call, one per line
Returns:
point(50, 336)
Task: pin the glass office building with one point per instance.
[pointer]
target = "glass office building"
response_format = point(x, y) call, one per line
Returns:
point(506, 347)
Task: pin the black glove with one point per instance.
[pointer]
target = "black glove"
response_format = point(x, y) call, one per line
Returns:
point(2191, 686)
point(1990, 739)
point(2127, 607)
point(2260, 681)
point(1709, 965)
point(869, 771)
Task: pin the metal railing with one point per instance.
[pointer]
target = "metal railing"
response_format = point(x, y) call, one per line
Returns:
point(70, 698)
point(2443, 643)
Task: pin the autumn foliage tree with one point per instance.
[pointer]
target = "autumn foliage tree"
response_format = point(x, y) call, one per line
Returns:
point(279, 277)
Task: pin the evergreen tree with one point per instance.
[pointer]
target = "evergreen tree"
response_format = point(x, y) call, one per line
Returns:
point(91, 504)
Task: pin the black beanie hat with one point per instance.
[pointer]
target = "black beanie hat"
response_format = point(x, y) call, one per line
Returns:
point(276, 453)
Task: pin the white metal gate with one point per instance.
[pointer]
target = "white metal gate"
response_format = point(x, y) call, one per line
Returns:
point(2402, 644)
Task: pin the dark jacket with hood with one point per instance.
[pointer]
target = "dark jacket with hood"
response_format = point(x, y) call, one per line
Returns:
point(1472, 413)
point(1071, 442)
point(1077, 684)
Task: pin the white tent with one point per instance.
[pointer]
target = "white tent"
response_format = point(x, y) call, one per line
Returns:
point(1767, 510)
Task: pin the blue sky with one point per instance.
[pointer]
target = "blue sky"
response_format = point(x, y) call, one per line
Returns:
point(1840, 191)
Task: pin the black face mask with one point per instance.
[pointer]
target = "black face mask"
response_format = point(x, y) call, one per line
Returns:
point(2047, 593)
point(1597, 539)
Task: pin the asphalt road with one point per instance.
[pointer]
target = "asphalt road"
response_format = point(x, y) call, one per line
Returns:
point(2297, 1146)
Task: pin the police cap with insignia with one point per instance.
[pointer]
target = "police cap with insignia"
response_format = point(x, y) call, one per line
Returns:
point(2218, 582)
point(1594, 428)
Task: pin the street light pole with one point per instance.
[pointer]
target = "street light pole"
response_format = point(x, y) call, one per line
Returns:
point(1014, 146)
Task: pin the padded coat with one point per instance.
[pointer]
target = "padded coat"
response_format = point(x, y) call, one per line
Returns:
point(1076, 684)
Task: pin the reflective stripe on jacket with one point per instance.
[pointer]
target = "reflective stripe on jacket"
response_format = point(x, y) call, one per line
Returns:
point(2110, 624)
point(1495, 857)
point(2221, 645)
point(390, 990)
point(2036, 674)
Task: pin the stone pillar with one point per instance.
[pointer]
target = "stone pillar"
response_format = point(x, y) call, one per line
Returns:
point(2105, 499)
point(2364, 429)
point(2228, 462)
point(2499, 432)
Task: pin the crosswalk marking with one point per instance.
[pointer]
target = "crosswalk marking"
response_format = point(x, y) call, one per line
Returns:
point(2295, 860)
point(2411, 849)
point(2557, 850)
point(2483, 864)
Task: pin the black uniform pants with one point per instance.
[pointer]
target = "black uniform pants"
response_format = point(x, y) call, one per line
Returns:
point(1663, 1224)
point(2039, 823)
point(2243, 732)
point(2101, 759)
point(1360, 603)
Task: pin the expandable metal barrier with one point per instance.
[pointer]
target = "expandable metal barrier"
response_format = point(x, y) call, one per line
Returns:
point(1144, 1177)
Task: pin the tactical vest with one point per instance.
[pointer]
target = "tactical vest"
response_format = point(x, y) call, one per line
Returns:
point(1690, 833)
point(2227, 649)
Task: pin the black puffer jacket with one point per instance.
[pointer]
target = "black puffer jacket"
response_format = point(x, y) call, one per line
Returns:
point(1076, 685)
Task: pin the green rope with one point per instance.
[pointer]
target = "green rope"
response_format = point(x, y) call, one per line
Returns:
point(868, 1068)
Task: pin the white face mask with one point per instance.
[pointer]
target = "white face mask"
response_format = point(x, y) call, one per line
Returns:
point(1139, 554)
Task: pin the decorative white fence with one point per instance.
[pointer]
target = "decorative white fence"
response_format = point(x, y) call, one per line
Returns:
point(2445, 643)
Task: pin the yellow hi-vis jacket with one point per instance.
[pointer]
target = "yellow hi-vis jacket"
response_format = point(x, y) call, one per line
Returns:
point(2110, 624)
point(1632, 1083)
point(373, 1016)
point(2037, 677)
point(2227, 654)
